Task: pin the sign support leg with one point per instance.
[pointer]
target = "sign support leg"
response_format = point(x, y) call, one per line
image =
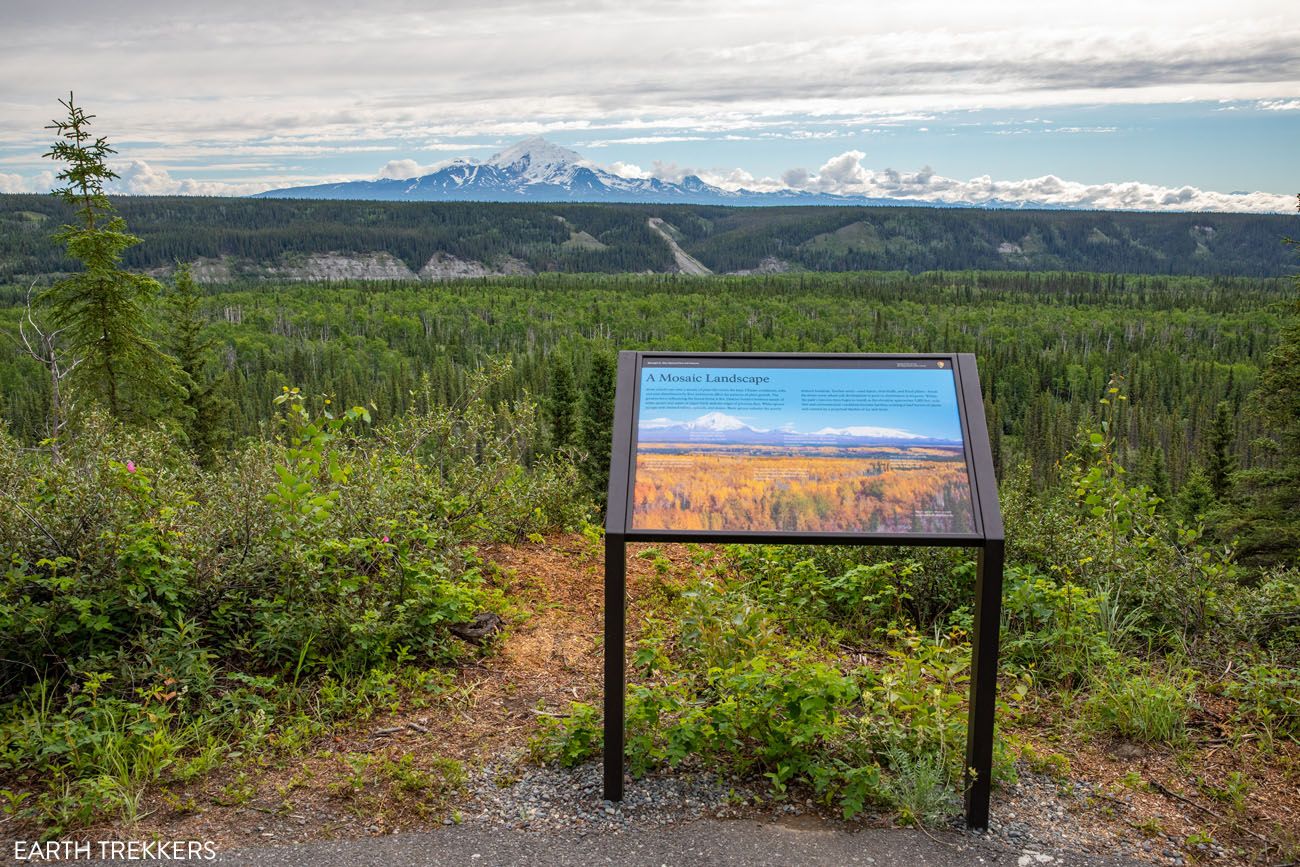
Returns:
point(615, 651)
point(983, 683)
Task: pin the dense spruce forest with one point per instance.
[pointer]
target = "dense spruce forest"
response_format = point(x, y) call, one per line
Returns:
point(257, 238)
point(1047, 344)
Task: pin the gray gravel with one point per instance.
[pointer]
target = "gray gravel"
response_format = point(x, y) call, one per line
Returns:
point(508, 794)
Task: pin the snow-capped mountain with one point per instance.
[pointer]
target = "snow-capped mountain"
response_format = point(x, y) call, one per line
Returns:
point(535, 170)
point(717, 427)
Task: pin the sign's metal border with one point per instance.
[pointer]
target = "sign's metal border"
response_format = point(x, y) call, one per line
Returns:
point(777, 536)
point(989, 538)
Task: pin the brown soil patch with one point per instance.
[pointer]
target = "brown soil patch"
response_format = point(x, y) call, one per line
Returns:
point(1181, 798)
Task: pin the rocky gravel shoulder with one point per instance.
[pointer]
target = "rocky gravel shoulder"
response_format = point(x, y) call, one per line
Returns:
point(1037, 820)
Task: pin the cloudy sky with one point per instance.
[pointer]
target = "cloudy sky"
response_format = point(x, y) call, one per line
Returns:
point(1187, 105)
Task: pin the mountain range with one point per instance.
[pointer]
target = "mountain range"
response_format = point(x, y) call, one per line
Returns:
point(535, 170)
point(720, 428)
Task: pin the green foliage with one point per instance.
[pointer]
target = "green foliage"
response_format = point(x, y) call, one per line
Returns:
point(1052, 629)
point(103, 309)
point(1140, 703)
point(562, 405)
point(1267, 526)
point(1220, 461)
point(155, 614)
point(571, 739)
point(257, 234)
point(1145, 577)
point(1195, 498)
point(1045, 343)
point(1054, 765)
point(738, 675)
point(1268, 696)
point(862, 592)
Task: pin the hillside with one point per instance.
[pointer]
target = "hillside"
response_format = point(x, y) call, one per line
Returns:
point(255, 239)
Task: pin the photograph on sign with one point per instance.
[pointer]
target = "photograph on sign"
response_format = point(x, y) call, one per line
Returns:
point(763, 445)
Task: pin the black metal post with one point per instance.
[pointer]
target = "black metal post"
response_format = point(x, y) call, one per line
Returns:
point(983, 684)
point(616, 574)
point(615, 640)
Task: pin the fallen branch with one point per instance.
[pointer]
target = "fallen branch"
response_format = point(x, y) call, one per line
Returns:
point(1207, 811)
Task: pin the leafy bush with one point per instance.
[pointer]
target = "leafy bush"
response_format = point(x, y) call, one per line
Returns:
point(1052, 628)
point(861, 589)
point(150, 607)
point(569, 740)
point(1269, 696)
point(727, 680)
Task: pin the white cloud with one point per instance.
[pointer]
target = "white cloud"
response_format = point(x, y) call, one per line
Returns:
point(360, 75)
point(628, 170)
point(846, 175)
point(1279, 104)
point(671, 172)
point(400, 170)
point(139, 178)
point(14, 183)
point(10, 183)
point(640, 140)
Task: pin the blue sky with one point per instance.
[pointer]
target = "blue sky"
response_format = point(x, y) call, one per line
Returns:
point(938, 421)
point(1105, 104)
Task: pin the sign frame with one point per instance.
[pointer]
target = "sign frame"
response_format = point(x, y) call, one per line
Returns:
point(989, 539)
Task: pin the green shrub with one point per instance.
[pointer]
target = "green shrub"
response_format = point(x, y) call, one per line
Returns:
point(1052, 628)
point(863, 591)
point(1268, 695)
point(152, 610)
point(569, 740)
point(1140, 703)
point(730, 683)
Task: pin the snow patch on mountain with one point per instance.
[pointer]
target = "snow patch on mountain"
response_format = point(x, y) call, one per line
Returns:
point(868, 431)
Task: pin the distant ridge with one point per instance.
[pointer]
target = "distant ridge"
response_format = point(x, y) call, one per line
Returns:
point(315, 239)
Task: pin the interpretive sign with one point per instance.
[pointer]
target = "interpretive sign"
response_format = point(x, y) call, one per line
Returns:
point(841, 449)
point(799, 445)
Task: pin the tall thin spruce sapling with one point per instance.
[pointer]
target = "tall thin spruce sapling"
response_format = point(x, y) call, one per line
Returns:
point(102, 310)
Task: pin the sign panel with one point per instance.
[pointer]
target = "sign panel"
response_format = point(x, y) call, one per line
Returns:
point(800, 445)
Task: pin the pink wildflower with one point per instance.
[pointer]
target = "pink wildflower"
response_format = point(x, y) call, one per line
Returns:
point(385, 540)
point(130, 466)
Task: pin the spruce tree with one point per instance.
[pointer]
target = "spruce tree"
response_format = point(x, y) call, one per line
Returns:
point(1267, 524)
point(202, 410)
point(1153, 471)
point(562, 404)
point(598, 421)
point(1220, 463)
point(1194, 497)
point(102, 310)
